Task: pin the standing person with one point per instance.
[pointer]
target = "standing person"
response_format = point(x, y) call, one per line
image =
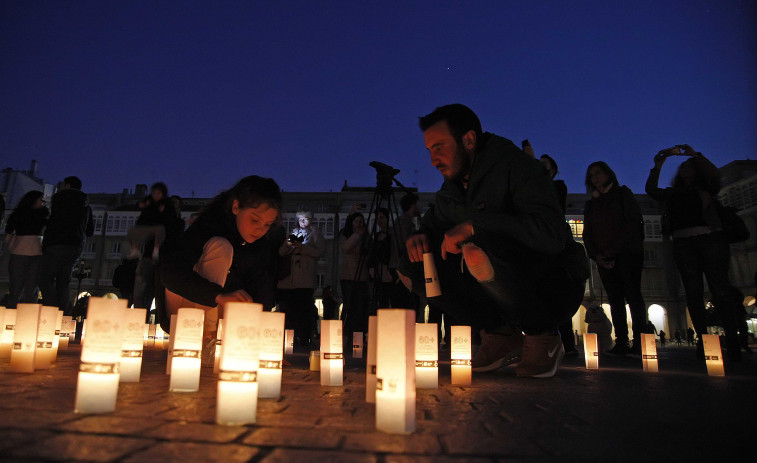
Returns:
point(295, 291)
point(158, 216)
point(225, 256)
point(383, 261)
point(498, 214)
point(23, 237)
point(689, 336)
point(699, 247)
point(354, 244)
point(566, 329)
point(330, 305)
point(614, 238)
point(67, 230)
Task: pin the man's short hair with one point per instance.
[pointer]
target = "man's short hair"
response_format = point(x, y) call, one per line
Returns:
point(72, 182)
point(460, 120)
point(407, 201)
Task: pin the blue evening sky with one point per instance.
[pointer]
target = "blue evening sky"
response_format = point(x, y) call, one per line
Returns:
point(199, 94)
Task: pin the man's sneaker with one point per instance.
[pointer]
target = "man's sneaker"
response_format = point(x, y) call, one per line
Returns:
point(621, 348)
point(478, 263)
point(541, 356)
point(497, 351)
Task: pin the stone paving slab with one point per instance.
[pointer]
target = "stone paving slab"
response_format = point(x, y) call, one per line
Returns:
point(617, 413)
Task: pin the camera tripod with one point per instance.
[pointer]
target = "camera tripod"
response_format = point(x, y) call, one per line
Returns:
point(379, 252)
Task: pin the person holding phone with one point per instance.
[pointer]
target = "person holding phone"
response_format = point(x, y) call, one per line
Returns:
point(699, 247)
point(614, 237)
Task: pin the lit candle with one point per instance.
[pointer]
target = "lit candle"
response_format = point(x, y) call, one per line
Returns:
point(426, 356)
point(9, 329)
point(83, 330)
point(237, 396)
point(146, 329)
point(460, 355)
point(649, 353)
point(332, 358)
point(591, 351)
point(315, 360)
point(56, 338)
point(43, 356)
point(271, 354)
point(152, 332)
point(187, 348)
point(395, 371)
point(172, 337)
point(159, 337)
point(131, 347)
point(72, 333)
point(65, 332)
point(97, 385)
point(432, 279)
point(288, 341)
point(370, 364)
point(713, 355)
point(357, 345)
point(25, 338)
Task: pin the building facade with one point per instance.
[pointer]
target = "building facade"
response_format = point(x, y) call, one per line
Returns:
point(115, 214)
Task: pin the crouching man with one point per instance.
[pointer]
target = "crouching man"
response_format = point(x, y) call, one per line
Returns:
point(497, 215)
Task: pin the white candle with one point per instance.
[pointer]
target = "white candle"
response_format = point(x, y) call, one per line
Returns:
point(432, 279)
point(591, 351)
point(649, 353)
point(370, 364)
point(187, 349)
point(357, 345)
point(332, 358)
point(56, 338)
point(43, 357)
point(460, 355)
point(395, 371)
point(97, 385)
point(315, 360)
point(237, 395)
point(65, 332)
point(713, 355)
point(25, 338)
point(8, 330)
point(271, 354)
point(426, 356)
point(288, 341)
point(131, 347)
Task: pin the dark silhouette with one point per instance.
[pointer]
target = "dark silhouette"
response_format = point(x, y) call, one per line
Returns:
point(613, 236)
point(67, 230)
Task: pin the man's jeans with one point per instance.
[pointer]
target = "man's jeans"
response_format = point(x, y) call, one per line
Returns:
point(55, 275)
point(623, 284)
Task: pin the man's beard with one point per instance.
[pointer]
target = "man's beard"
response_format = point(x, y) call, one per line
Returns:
point(462, 163)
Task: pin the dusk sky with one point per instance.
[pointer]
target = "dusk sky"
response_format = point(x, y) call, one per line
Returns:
point(199, 94)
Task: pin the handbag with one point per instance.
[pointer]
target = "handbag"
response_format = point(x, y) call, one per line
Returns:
point(734, 228)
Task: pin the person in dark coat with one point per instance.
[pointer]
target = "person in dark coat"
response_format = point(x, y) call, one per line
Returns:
point(225, 255)
point(67, 230)
point(614, 238)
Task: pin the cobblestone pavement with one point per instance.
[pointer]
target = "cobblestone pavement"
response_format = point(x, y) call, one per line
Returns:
point(617, 413)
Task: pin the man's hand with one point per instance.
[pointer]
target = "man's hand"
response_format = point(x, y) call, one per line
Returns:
point(416, 246)
point(454, 239)
point(239, 295)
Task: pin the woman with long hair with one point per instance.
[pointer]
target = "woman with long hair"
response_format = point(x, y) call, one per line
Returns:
point(225, 255)
point(614, 237)
point(699, 247)
point(23, 237)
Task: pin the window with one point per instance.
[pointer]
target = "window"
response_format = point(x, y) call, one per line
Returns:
point(115, 248)
point(653, 228)
point(98, 218)
point(90, 246)
point(577, 228)
point(650, 257)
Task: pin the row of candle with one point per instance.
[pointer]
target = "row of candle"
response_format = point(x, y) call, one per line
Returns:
point(401, 356)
